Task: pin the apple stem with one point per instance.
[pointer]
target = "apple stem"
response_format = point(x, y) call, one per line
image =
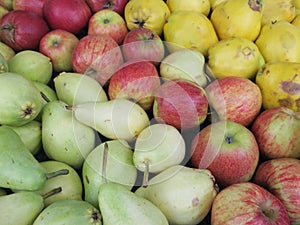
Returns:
point(146, 174)
point(104, 162)
point(52, 192)
point(57, 173)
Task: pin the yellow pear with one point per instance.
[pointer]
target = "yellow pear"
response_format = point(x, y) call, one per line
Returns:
point(275, 10)
point(280, 85)
point(191, 5)
point(279, 41)
point(151, 14)
point(214, 3)
point(235, 57)
point(238, 18)
point(191, 30)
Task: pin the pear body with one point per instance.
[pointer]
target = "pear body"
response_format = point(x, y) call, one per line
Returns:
point(114, 119)
point(20, 208)
point(63, 137)
point(20, 100)
point(119, 168)
point(18, 167)
point(183, 194)
point(75, 212)
point(119, 205)
point(75, 88)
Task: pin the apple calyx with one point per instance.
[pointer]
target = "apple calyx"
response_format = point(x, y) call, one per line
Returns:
point(108, 5)
point(228, 139)
point(255, 5)
point(10, 32)
point(139, 23)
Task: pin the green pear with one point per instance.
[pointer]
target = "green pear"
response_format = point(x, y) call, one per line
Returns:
point(33, 65)
point(158, 147)
point(20, 208)
point(31, 135)
point(183, 194)
point(47, 94)
point(114, 119)
point(19, 170)
point(6, 51)
point(69, 212)
point(20, 100)
point(63, 137)
point(119, 168)
point(3, 64)
point(70, 183)
point(75, 88)
point(119, 205)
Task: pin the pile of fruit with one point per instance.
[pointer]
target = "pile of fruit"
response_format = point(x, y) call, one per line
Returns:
point(149, 112)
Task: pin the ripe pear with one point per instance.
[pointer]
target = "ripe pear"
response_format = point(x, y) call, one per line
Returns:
point(235, 56)
point(20, 100)
point(119, 205)
point(275, 10)
point(63, 137)
point(144, 13)
point(71, 211)
point(31, 64)
point(238, 18)
point(118, 167)
point(158, 147)
point(183, 194)
point(114, 119)
point(20, 208)
point(75, 88)
point(31, 135)
point(69, 183)
point(279, 41)
point(180, 32)
point(280, 85)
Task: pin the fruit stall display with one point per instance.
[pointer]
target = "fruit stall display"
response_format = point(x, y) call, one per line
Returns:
point(149, 112)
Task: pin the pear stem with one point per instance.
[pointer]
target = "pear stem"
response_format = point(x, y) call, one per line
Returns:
point(104, 162)
point(146, 174)
point(57, 173)
point(44, 97)
point(52, 192)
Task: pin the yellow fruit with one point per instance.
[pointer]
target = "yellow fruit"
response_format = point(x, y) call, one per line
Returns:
point(279, 41)
point(214, 3)
point(191, 30)
point(238, 18)
point(297, 4)
point(191, 5)
point(235, 56)
point(151, 14)
point(275, 10)
point(280, 85)
point(296, 21)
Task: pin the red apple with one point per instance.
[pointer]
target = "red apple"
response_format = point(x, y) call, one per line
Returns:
point(228, 149)
point(98, 56)
point(58, 45)
point(137, 81)
point(180, 103)
point(235, 98)
point(143, 44)
point(108, 22)
point(247, 203)
point(72, 16)
point(22, 29)
point(115, 5)
point(29, 5)
point(277, 133)
point(282, 178)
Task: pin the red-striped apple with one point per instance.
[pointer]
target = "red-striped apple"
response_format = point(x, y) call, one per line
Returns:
point(247, 203)
point(115, 5)
point(282, 178)
point(228, 149)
